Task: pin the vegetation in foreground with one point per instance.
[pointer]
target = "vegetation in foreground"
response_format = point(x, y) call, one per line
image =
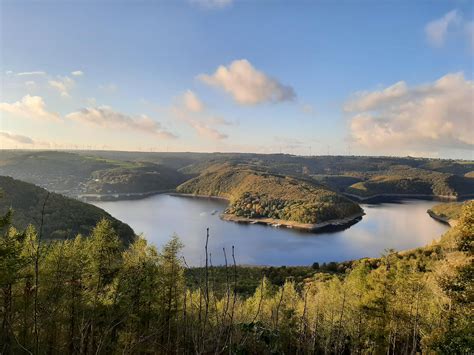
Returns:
point(257, 194)
point(93, 295)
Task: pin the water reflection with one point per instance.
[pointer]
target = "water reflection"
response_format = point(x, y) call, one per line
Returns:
point(389, 225)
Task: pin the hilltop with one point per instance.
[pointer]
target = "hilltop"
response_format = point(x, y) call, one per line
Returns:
point(64, 217)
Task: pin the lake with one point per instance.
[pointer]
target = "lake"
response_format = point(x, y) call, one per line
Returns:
point(401, 225)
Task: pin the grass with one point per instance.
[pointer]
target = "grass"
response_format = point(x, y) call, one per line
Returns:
point(450, 211)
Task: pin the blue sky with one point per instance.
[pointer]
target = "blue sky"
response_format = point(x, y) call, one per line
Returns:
point(294, 75)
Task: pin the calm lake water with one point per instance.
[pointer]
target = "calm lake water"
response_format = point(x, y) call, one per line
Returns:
point(400, 226)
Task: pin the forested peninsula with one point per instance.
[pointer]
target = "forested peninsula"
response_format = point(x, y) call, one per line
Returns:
point(261, 197)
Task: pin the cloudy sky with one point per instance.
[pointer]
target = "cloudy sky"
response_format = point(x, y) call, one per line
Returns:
point(300, 77)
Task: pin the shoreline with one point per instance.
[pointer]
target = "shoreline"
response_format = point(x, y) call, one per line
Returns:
point(450, 222)
point(121, 196)
point(180, 194)
point(309, 227)
point(389, 196)
point(377, 198)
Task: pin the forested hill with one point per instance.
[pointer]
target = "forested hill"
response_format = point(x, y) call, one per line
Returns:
point(138, 179)
point(257, 194)
point(74, 175)
point(63, 218)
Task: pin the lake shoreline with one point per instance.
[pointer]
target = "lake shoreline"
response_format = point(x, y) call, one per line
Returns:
point(309, 227)
point(449, 221)
point(377, 198)
point(180, 194)
point(121, 196)
point(387, 197)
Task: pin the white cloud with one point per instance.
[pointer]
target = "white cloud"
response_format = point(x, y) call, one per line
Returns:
point(191, 102)
point(365, 100)
point(216, 120)
point(204, 130)
point(77, 73)
point(106, 117)
point(27, 73)
point(63, 85)
point(436, 30)
point(10, 140)
point(212, 4)
point(247, 85)
point(16, 138)
point(29, 107)
point(425, 117)
point(191, 110)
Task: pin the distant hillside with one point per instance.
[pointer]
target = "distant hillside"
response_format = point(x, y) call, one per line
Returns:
point(149, 177)
point(257, 194)
point(64, 217)
point(75, 173)
point(362, 176)
point(55, 171)
point(406, 180)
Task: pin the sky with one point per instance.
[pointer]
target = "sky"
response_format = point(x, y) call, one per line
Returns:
point(298, 77)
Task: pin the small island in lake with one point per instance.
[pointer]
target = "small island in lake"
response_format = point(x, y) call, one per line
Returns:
point(260, 197)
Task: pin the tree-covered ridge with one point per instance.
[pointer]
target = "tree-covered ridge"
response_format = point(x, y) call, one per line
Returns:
point(81, 172)
point(76, 174)
point(258, 194)
point(405, 180)
point(63, 217)
point(140, 179)
point(92, 295)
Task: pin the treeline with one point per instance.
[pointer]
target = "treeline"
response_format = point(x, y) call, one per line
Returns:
point(93, 295)
point(407, 180)
point(141, 178)
point(136, 172)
